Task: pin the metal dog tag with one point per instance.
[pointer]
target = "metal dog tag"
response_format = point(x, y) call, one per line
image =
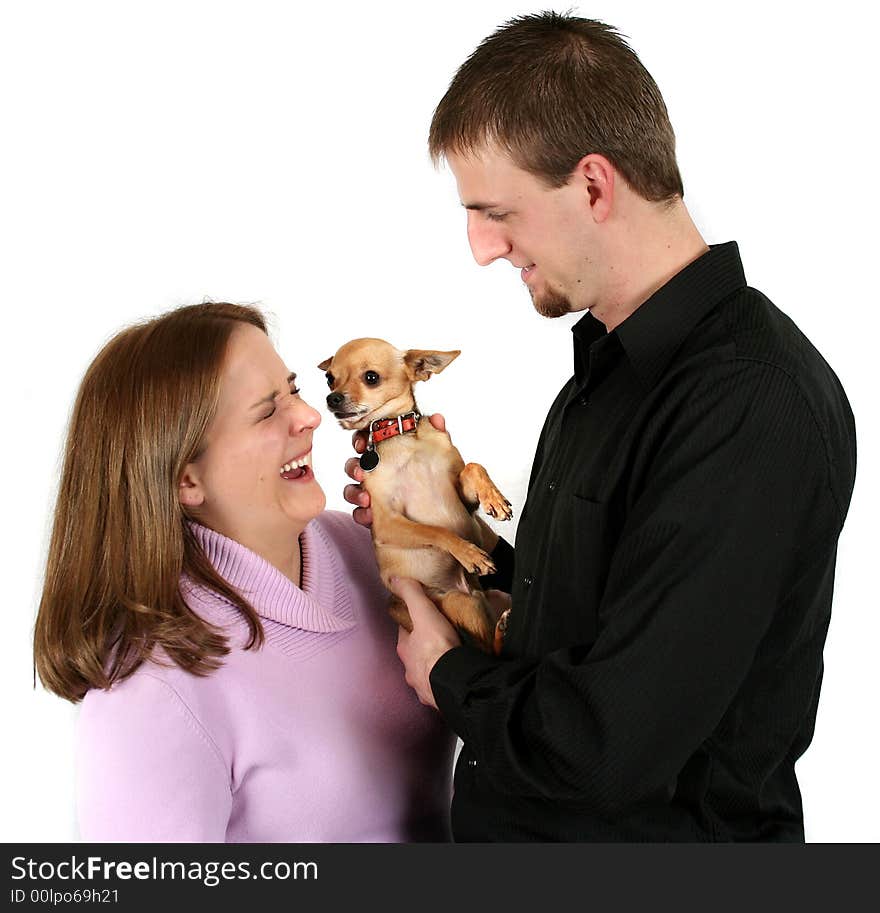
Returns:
point(369, 460)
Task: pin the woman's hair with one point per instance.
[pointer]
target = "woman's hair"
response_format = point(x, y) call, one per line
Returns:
point(120, 539)
point(548, 89)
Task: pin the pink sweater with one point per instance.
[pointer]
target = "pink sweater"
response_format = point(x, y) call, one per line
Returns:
point(315, 737)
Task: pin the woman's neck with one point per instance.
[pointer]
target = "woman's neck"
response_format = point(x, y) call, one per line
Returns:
point(285, 559)
point(281, 549)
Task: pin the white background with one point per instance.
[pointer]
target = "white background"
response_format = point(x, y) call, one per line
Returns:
point(158, 153)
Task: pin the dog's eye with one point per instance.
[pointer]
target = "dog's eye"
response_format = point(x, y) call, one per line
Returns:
point(330, 379)
point(372, 378)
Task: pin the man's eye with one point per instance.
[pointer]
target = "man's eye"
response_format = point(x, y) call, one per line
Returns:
point(496, 216)
point(269, 414)
point(371, 378)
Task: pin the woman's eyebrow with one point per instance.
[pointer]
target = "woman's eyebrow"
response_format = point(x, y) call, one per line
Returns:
point(270, 398)
point(479, 207)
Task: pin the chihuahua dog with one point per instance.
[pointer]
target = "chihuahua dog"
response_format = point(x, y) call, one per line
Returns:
point(422, 494)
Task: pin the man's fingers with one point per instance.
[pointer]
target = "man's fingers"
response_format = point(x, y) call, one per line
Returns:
point(363, 516)
point(356, 495)
point(439, 422)
point(359, 441)
point(353, 469)
point(407, 588)
point(403, 637)
point(499, 602)
point(411, 592)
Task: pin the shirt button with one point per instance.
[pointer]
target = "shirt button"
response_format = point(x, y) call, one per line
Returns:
point(583, 400)
point(552, 486)
point(472, 762)
point(527, 581)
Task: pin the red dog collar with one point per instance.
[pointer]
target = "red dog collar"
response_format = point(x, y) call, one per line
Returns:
point(384, 428)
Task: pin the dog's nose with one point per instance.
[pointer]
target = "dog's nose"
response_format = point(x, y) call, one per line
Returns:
point(334, 400)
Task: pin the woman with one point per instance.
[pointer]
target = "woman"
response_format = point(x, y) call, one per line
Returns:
point(228, 639)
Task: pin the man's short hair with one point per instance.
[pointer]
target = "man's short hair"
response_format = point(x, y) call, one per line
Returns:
point(548, 89)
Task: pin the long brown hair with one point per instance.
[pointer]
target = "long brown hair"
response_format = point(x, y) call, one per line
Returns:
point(120, 539)
point(549, 89)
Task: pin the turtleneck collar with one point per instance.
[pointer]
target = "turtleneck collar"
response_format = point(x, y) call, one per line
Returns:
point(321, 604)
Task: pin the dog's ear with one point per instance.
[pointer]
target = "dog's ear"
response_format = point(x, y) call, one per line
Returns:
point(422, 363)
point(325, 364)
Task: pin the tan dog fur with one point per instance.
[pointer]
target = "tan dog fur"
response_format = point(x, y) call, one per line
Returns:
point(422, 494)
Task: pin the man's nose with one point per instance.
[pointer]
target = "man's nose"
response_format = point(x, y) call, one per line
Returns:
point(334, 401)
point(488, 241)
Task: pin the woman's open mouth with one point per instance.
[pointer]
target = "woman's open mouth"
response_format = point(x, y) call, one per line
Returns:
point(299, 469)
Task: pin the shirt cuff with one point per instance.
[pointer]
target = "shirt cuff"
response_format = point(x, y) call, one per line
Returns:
point(451, 679)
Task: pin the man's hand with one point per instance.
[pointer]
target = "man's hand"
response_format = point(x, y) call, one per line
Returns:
point(432, 636)
point(355, 494)
point(499, 602)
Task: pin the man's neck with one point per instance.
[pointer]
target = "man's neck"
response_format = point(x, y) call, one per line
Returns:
point(648, 252)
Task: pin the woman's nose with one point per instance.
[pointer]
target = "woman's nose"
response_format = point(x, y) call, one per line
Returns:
point(302, 416)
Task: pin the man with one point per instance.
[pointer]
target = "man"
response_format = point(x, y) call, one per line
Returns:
point(672, 581)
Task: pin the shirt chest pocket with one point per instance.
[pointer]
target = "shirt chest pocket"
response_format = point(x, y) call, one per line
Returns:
point(575, 565)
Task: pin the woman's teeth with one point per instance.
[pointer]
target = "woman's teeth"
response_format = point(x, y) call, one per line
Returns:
point(297, 464)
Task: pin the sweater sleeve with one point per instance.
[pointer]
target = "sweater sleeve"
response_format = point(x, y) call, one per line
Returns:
point(146, 769)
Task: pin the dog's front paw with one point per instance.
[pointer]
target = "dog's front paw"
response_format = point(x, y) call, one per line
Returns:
point(472, 558)
point(496, 505)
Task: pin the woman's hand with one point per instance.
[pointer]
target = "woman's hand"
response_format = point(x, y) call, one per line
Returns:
point(355, 494)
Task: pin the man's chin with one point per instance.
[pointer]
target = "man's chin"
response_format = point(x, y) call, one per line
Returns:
point(550, 303)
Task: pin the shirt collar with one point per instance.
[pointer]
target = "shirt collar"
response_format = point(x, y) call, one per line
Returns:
point(653, 333)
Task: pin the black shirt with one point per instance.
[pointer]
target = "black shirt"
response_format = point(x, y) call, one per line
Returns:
point(671, 585)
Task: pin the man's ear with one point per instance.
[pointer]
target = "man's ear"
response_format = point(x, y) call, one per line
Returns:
point(597, 175)
point(422, 363)
point(325, 364)
point(190, 492)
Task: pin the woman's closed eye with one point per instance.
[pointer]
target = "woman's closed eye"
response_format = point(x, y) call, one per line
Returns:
point(294, 391)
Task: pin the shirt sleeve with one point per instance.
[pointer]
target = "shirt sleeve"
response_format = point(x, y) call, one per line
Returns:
point(146, 769)
point(733, 500)
point(502, 558)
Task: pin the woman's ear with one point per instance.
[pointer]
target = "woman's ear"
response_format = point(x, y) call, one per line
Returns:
point(190, 492)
